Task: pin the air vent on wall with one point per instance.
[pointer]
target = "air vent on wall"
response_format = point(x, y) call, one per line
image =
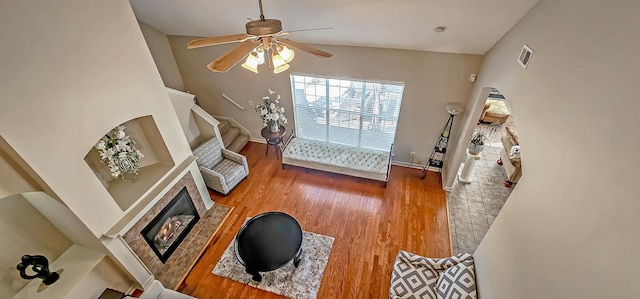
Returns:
point(525, 56)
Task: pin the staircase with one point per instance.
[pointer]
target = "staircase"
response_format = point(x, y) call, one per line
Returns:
point(232, 137)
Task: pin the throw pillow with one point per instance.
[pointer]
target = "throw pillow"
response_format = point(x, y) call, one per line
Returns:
point(457, 282)
point(513, 135)
point(514, 153)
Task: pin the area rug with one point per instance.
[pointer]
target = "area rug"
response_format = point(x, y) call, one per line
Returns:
point(302, 282)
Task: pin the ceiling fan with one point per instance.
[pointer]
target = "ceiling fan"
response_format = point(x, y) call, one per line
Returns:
point(261, 40)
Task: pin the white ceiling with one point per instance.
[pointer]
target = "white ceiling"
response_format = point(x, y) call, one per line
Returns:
point(473, 26)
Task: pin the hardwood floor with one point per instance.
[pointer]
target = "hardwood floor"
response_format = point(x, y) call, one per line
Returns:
point(369, 223)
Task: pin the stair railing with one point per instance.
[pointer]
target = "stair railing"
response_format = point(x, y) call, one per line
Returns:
point(232, 101)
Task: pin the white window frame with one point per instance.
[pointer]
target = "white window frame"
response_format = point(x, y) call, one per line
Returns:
point(386, 123)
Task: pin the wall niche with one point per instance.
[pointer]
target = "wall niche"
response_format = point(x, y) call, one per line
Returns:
point(155, 164)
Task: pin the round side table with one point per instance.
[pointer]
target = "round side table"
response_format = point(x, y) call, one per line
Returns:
point(273, 138)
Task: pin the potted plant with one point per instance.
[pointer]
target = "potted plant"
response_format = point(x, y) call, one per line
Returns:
point(481, 135)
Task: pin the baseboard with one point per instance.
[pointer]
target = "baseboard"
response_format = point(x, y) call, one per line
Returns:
point(406, 164)
point(412, 165)
point(258, 140)
point(234, 123)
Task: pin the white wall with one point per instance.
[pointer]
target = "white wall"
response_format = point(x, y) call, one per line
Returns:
point(569, 229)
point(431, 81)
point(162, 55)
point(72, 71)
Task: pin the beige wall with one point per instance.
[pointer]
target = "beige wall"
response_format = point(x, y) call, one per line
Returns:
point(431, 81)
point(569, 229)
point(24, 231)
point(71, 72)
point(162, 55)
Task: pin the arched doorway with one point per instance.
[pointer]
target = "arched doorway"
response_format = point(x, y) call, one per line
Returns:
point(476, 199)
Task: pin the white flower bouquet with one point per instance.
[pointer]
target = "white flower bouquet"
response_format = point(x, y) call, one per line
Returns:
point(271, 112)
point(118, 152)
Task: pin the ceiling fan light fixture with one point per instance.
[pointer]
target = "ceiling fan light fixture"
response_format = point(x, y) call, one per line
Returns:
point(251, 63)
point(286, 53)
point(260, 44)
point(279, 65)
point(260, 56)
point(281, 68)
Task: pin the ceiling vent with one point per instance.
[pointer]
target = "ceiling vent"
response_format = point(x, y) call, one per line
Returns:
point(525, 56)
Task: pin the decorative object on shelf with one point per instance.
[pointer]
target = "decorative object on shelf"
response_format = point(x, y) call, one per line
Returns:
point(40, 266)
point(117, 150)
point(482, 133)
point(436, 160)
point(270, 111)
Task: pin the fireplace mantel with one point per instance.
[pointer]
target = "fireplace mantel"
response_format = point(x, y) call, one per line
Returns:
point(145, 202)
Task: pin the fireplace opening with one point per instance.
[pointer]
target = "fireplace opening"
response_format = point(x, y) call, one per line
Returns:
point(166, 231)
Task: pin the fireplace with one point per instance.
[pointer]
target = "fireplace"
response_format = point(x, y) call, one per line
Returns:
point(171, 225)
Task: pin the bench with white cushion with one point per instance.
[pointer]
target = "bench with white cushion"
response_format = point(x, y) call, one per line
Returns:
point(337, 158)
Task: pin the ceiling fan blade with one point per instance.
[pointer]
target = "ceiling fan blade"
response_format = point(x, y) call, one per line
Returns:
point(229, 59)
point(302, 30)
point(217, 40)
point(303, 47)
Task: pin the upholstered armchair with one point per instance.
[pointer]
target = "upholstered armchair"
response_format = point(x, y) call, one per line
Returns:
point(418, 277)
point(221, 169)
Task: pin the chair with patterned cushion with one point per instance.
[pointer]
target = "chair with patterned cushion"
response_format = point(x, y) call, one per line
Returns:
point(221, 168)
point(417, 277)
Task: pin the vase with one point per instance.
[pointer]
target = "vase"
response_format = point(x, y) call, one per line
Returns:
point(274, 127)
point(475, 149)
point(128, 163)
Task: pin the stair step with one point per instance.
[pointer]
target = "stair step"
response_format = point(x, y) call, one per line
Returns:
point(239, 143)
point(230, 135)
point(224, 126)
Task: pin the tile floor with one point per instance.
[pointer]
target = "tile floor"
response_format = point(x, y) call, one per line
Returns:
point(473, 207)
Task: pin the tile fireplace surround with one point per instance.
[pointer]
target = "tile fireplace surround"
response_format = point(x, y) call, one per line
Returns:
point(173, 271)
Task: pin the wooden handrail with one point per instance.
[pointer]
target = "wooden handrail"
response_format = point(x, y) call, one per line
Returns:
point(232, 101)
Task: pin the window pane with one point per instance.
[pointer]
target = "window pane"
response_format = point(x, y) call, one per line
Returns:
point(353, 112)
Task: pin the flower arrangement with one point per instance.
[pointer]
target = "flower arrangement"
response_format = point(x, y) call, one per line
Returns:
point(271, 112)
point(118, 152)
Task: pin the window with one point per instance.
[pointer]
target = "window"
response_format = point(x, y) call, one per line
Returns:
point(352, 112)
